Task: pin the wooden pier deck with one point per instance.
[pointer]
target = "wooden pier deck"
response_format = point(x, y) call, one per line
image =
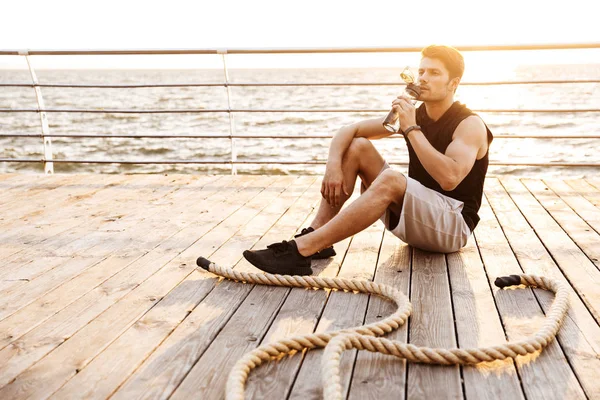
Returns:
point(100, 297)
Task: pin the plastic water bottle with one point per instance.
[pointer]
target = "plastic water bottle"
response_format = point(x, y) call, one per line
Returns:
point(413, 91)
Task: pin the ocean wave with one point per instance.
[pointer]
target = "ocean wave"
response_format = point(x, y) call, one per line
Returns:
point(552, 125)
point(151, 151)
point(288, 120)
point(299, 124)
point(121, 117)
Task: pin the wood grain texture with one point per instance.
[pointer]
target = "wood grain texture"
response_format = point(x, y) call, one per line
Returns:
point(298, 315)
point(575, 215)
point(101, 297)
point(583, 276)
point(431, 325)
point(580, 334)
point(522, 315)
point(378, 376)
point(166, 368)
point(478, 325)
point(343, 310)
point(581, 186)
point(50, 373)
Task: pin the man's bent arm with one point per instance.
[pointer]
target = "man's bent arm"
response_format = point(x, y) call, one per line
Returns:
point(451, 168)
point(370, 129)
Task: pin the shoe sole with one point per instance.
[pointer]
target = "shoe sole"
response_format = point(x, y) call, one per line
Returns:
point(248, 255)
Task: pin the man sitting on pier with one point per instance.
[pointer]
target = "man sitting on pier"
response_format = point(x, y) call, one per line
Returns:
point(434, 208)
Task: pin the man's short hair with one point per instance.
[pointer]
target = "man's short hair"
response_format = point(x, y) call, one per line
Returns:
point(449, 56)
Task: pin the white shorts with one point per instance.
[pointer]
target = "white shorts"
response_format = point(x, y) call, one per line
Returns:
point(428, 220)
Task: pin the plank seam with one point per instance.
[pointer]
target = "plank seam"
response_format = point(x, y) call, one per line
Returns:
point(460, 367)
point(547, 249)
point(535, 295)
point(365, 316)
point(502, 322)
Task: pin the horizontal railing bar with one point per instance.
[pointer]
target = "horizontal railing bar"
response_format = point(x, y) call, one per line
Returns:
point(278, 84)
point(256, 110)
point(308, 162)
point(412, 49)
point(118, 136)
point(30, 160)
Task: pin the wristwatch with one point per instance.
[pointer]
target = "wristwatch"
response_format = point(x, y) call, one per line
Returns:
point(410, 129)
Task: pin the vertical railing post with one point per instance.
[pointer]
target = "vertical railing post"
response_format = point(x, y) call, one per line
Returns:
point(48, 164)
point(223, 53)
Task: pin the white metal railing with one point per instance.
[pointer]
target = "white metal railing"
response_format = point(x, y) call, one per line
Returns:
point(46, 136)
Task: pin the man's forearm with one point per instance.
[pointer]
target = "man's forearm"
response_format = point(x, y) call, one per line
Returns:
point(441, 167)
point(339, 144)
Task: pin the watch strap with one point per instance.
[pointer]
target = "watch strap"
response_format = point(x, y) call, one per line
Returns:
point(410, 129)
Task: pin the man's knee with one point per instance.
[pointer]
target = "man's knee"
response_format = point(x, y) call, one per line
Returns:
point(359, 146)
point(360, 152)
point(391, 183)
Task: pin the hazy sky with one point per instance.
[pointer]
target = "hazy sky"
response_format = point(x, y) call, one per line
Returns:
point(64, 24)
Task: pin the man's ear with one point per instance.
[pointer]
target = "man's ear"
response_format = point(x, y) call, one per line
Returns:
point(454, 83)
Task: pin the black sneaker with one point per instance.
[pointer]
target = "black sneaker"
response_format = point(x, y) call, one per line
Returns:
point(280, 258)
point(319, 255)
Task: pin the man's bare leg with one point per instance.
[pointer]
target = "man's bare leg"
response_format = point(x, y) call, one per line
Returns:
point(361, 159)
point(387, 189)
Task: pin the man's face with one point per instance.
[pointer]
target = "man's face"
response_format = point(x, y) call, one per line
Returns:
point(435, 81)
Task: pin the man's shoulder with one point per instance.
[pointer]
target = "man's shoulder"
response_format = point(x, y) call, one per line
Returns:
point(472, 125)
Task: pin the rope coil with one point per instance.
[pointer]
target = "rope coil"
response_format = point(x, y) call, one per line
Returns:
point(365, 337)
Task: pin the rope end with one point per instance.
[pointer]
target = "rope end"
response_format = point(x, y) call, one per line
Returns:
point(203, 263)
point(505, 281)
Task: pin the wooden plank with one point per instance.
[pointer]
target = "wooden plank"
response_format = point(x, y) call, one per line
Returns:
point(27, 265)
point(591, 193)
point(478, 325)
point(126, 231)
point(71, 201)
point(9, 175)
point(65, 361)
point(14, 187)
point(61, 326)
point(105, 273)
point(23, 219)
point(22, 292)
point(581, 206)
point(48, 194)
point(19, 272)
point(431, 325)
point(61, 225)
point(298, 315)
point(343, 310)
point(208, 319)
point(164, 370)
point(155, 377)
point(580, 334)
point(583, 276)
point(377, 376)
point(594, 182)
point(101, 377)
point(566, 215)
point(82, 218)
point(522, 315)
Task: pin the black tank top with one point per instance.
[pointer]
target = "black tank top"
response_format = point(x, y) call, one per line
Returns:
point(439, 133)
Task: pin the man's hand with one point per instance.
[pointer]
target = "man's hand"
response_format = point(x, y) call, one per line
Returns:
point(406, 111)
point(333, 185)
